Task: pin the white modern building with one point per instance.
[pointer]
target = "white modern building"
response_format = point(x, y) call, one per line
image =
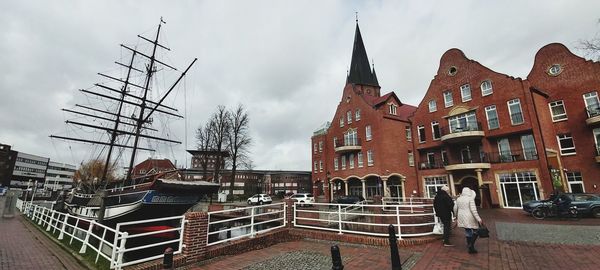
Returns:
point(59, 176)
point(28, 170)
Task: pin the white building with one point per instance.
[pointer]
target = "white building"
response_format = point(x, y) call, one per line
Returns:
point(29, 169)
point(59, 176)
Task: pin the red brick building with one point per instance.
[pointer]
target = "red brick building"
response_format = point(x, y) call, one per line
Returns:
point(506, 137)
point(152, 167)
point(366, 149)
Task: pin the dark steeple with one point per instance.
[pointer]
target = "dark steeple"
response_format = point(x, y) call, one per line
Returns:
point(375, 75)
point(360, 70)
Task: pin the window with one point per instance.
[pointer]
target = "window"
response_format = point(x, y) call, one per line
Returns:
point(518, 187)
point(463, 122)
point(411, 159)
point(351, 138)
point(334, 142)
point(320, 146)
point(448, 102)
point(435, 129)
point(554, 70)
point(316, 168)
point(575, 182)
point(408, 133)
point(528, 144)
point(597, 140)
point(320, 165)
point(486, 88)
point(351, 161)
point(370, 158)
point(592, 105)
point(492, 117)
point(514, 109)
point(315, 148)
point(557, 109)
point(444, 157)
point(421, 131)
point(433, 184)
point(343, 162)
point(432, 106)
point(359, 159)
point(341, 121)
point(566, 144)
point(357, 115)
point(465, 92)
point(368, 133)
point(504, 150)
point(349, 117)
point(335, 163)
point(393, 108)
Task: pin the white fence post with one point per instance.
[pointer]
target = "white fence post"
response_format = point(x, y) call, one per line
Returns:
point(50, 220)
point(339, 219)
point(398, 221)
point(61, 235)
point(252, 231)
point(120, 253)
point(87, 238)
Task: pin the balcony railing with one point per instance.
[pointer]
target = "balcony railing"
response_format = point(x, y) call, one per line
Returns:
point(513, 156)
point(592, 110)
point(431, 164)
point(348, 146)
point(468, 126)
point(473, 158)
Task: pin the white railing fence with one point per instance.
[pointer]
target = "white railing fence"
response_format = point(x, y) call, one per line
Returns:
point(111, 244)
point(232, 224)
point(366, 219)
point(406, 201)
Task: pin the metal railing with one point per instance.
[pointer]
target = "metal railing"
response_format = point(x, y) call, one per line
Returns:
point(414, 203)
point(462, 127)
point(431, 164)
point(109, 243)
point(342, 143)
point(513, 156)
point(592, 110)
point(371, 220)
point(232, 224)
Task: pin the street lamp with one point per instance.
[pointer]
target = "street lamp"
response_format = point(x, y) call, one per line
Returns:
point(34, 191)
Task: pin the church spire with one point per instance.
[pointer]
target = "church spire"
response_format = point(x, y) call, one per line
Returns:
point(360, 70)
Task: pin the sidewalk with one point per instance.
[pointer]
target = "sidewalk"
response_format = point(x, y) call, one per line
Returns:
point(22, 246)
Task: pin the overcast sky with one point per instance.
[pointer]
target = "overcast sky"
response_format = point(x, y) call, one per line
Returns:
point(286, 61)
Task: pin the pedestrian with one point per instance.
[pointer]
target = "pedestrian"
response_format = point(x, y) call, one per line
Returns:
point(467, 217)
point(443, 205)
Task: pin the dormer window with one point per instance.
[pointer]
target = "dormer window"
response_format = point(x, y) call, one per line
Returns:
point(432, 106)
point(357, 115)
point(349, 117)
point(393, 108)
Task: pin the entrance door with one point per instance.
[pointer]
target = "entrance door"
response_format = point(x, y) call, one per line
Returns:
point(518, 188)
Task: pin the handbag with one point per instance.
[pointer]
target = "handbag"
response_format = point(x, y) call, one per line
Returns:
point(438, 228)
point(483, 231)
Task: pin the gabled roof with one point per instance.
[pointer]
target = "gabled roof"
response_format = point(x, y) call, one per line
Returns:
point(360, 70)
point(156, 164)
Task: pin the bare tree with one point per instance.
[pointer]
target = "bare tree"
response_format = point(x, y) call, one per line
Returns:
point(238, 141)
point(220, 126)
point(89, 174)
point(204, 138)
point(591, 47)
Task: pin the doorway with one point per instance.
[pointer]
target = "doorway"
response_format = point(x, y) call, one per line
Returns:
point(473, 184)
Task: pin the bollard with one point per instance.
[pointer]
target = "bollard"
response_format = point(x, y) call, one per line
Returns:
point(168, 259)
point(394, 248)
point(336, 258)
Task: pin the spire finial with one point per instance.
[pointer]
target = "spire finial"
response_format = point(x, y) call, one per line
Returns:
point(162, 21)
point(356, 15)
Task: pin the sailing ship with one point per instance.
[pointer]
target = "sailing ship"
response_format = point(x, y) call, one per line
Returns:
point(161, 195)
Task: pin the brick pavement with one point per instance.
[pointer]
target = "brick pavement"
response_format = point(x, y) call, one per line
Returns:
point(22, 246)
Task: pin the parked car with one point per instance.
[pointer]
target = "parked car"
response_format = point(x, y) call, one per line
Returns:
point(586, 203)
point(303, 198)
point(259, 199)
point(351, 199)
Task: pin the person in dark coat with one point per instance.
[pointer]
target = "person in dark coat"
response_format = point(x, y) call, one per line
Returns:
point(444, 205)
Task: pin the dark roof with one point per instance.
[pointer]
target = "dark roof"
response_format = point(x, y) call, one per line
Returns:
point(360, 70)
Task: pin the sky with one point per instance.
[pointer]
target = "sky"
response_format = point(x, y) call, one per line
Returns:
point(285, 61)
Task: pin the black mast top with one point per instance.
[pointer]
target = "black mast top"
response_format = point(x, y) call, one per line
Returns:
point(360, 69)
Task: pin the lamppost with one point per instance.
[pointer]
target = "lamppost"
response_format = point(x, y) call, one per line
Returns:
point(27, 190)
point(328, 179)
point(34, 191)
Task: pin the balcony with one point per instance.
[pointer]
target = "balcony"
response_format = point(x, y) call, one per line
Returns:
point(468, 162)
point(513, 156)
point(468, 131)
point(431, 164)
point(348, 146)
point(593, 115)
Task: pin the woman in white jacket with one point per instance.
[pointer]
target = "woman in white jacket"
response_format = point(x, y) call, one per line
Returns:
point(467, 216)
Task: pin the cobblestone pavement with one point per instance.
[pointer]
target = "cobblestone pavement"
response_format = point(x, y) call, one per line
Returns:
point(308, 255)
point(23, 246)
point(495, 253)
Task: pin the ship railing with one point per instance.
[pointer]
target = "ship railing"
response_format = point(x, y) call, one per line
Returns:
point(154, 242)
point(68, 229)
point(232, 224)
point(371, 220)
